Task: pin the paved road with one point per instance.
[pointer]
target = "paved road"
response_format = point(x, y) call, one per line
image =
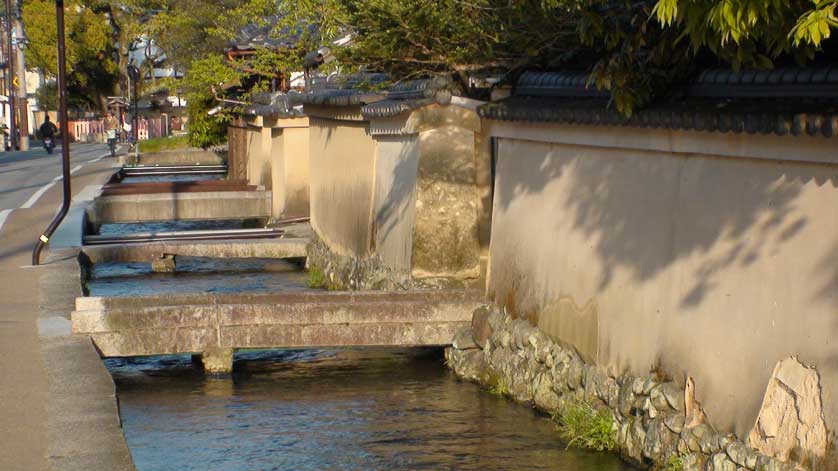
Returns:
point(26, 176)
point(32, 424)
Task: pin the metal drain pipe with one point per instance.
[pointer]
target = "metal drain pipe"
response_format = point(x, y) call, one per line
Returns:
point(65, 135)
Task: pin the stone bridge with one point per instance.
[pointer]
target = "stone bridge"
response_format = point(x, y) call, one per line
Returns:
point(216, 325)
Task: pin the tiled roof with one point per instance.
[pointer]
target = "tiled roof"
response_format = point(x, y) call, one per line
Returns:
point(782, 102)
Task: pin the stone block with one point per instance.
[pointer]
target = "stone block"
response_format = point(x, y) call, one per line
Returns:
point(217, 361)
point(165, 264)
point(464, 340)
point(480, 326)
point(791, 419)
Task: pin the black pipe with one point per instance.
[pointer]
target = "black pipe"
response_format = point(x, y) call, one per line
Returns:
point(65, 135)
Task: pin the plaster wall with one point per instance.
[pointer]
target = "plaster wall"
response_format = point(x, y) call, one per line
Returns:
point(291, 161)
point(342, 156)
point(707, 255)
point(395, 199)
point(259, 155)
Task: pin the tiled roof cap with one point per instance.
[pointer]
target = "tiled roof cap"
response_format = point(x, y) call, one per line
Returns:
point(409, 95)
point(784, 82)
point(549, 84)
point(783, 101)
point(813, 119)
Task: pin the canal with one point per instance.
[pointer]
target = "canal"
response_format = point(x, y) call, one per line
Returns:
point(331, 409)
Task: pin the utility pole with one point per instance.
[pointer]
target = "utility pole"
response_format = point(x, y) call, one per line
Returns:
point(20, 72)
point(10, 76)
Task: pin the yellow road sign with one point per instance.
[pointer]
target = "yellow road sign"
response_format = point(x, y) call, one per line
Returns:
point(15, 82)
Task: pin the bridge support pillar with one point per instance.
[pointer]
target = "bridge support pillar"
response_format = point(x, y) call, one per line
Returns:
point(164, 264)
point(217, 361)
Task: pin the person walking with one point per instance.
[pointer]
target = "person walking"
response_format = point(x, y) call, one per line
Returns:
point(111, 128)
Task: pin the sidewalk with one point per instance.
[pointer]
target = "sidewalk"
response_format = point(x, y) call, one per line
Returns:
point(55, 411)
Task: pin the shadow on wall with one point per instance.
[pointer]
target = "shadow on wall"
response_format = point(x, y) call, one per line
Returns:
point(630, 205)
point(398, 203)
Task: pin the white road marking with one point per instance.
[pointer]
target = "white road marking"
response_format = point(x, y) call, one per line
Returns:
point(118, 148)
point(35, 197)
point(3, 215)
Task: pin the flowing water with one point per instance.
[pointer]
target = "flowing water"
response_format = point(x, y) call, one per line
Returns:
point(329, 410)
point(172, 178)
point(196, 275)
point(125, 228)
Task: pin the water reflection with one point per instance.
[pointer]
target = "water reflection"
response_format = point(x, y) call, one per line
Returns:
point(324, 409)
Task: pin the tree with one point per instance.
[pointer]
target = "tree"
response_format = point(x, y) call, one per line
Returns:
point(91, 70)
point(201, 83)
point(627, 51)
point(816, 25)
point(750, 33)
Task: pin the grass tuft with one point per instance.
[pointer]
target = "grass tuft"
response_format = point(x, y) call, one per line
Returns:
point(674, 463)
point(583, 426)
point(164, 143)
point(317, 279)
point(497, 385)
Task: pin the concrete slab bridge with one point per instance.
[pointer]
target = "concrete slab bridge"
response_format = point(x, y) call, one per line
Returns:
point(214, 326)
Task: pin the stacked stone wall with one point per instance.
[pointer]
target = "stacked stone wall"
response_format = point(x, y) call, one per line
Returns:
point(657, 423)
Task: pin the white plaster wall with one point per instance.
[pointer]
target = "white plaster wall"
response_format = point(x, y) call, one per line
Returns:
point(342, 156)
point(707, 265)
point(395, 199)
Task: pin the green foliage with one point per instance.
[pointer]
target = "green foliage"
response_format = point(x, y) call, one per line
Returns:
point(202, 80)
point(583, 426)
point(674, 463)
point(750, 33)
point(47, 96)
point(164, 143)
point(498, 386)
point(317, 279)
point(91, 68)
point(189, 30)
point(417, 37)
point(815, 26)
point(634, 49)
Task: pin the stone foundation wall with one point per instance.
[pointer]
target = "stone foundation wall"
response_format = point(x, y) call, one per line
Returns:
point(657, 423)
point(344, 272)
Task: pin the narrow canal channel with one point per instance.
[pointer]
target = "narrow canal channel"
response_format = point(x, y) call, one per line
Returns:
point(348, 409)
point(331, 409)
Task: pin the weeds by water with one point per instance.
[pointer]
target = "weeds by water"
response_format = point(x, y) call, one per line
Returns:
point(674, 463)
point(317, 279)
point(497, 384)
point(500, 388)
point(583, 426)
